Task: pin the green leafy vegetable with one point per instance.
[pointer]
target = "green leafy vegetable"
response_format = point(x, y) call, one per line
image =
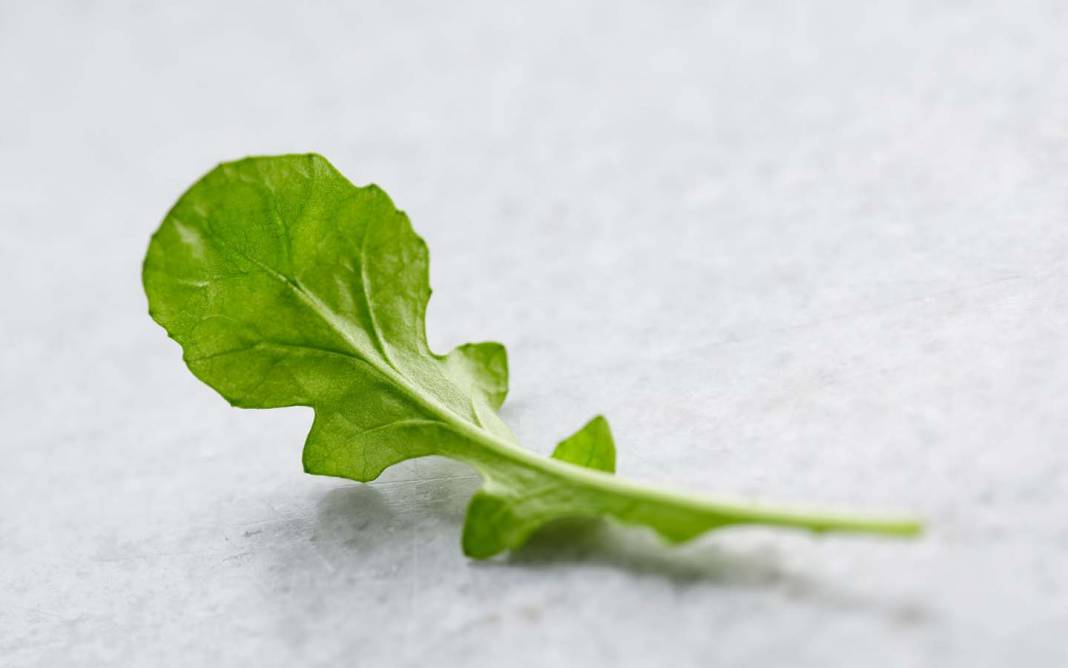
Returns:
point(286, 285)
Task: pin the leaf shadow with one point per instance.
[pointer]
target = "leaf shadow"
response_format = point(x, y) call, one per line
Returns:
point(367, 522)
point(593, 542)
point(602, 544)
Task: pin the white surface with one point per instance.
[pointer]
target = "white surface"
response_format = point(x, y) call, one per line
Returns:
point(815, 255)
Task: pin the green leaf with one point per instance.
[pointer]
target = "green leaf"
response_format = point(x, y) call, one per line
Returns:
point(286, 285)
point(592, 447)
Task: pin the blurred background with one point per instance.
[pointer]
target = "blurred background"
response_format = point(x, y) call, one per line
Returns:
point(794, 251)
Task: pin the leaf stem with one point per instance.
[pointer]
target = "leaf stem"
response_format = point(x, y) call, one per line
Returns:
point(698, 510)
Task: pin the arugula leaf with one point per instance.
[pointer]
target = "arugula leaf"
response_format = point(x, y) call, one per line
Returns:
point(286, 285)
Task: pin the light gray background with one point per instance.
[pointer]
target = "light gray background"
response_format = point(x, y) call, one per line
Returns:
point(795, 251)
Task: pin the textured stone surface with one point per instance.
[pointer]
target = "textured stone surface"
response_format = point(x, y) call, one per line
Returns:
point(815, 254)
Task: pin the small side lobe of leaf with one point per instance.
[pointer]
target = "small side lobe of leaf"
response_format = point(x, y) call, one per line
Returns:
point(512, 505)
point(486, 365)
point(592, 447)
point(490, 526)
